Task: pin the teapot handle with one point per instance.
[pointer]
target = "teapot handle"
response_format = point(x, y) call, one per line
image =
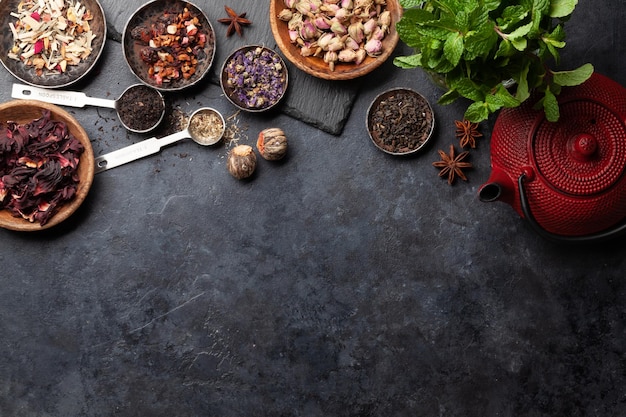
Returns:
point(595, 237)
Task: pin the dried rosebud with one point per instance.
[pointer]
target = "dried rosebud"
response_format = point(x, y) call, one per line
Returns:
point(272, 144)
point(241, 161)
point(325, 40)
point(361, 54)
point(330, 57)
point(338, 28)
point(357, 31)
point(285, 15)
point(369, 26)
point(346, 55)
point(374, 47)
point(308, 30)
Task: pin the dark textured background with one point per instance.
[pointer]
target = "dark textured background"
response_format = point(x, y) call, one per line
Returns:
point(338, 282)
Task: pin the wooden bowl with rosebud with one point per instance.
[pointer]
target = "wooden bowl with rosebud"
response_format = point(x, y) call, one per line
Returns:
point(339, 40)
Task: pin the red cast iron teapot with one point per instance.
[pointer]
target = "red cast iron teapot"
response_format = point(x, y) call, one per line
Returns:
point(566, 178)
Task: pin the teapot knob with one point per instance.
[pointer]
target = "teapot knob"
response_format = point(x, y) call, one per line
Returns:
point(584, 146)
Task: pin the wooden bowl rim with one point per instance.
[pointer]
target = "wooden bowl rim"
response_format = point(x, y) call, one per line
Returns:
point(315, 66)
point(30, 110)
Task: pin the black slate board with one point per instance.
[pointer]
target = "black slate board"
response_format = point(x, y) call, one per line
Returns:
point(321, 103)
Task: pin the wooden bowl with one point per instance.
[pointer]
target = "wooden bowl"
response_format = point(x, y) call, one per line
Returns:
point(25, 111)
point(146, 15)
point(73, 73)
point(315, 65)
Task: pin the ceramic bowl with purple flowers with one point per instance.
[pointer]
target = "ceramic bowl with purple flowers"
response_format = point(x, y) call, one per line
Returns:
point(254, 78)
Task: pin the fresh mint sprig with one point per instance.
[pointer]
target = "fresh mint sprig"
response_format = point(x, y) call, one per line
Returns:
point(481, 47)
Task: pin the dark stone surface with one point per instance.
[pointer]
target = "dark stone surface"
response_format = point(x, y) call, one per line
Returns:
point(338, 282)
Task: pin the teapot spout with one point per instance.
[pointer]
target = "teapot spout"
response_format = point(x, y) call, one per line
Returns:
point(499, 187)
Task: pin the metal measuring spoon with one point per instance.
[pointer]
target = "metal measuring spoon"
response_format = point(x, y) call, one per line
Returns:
point(78, 99)
point(206, 127)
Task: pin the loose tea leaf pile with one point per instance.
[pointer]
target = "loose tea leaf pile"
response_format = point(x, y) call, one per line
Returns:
point(140, 107)
point(38, 168)
point(401, 121)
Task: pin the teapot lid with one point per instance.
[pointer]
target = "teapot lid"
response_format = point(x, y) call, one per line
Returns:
point(584, 153)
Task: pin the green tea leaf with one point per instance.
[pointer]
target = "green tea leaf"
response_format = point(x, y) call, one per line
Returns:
point(551, 106)
point(573, 77)
point(562, 8)
point(453, 48)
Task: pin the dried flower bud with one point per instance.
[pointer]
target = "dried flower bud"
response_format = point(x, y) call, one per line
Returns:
point(330, 57)
point(241, 161)
point(374, 47)
point(356, 31)
point(338, 28)
point(369, 26)
point(384, 20)
point(361, 54)
point(290, 3)
point(322, 22)
point(295, 22)
point(329, 9)
point(346, 55)
point(336, 44)
point(285, 15)
point(352, 44)
point(347, 4)
point(272, 144)
point(308, 30)
point(325, 40)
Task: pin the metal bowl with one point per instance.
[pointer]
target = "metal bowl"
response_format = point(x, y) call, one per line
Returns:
point(147, 16)
point(400, 121)
point(73, 73)
point(25, 111)
point(240, 83)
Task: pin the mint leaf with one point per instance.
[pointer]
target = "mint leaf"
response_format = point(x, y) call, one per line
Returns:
point(409, 61)
point(523, 90)
point(562, 8)
point(408, 4)
point(468, 89)
point(453, 48)
point(477, 112)
point(480, 42)
point(551, 106)
point(573, 77)
point(502, 98)
point(511, 16)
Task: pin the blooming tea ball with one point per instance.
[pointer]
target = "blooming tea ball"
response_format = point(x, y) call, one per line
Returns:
point(241, 161)
point(272, 144)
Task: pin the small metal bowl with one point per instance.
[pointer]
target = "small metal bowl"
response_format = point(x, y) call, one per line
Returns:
point(244, 91)
point(25, 111)
point(159, 13)
point(73, 73)
point(400, 121)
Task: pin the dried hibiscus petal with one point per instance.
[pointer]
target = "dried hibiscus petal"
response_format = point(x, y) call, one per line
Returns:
point(38, 167)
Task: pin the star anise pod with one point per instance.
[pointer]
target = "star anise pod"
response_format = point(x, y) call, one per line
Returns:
point(235, 21)
point(468, 132)
point(452, 165)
